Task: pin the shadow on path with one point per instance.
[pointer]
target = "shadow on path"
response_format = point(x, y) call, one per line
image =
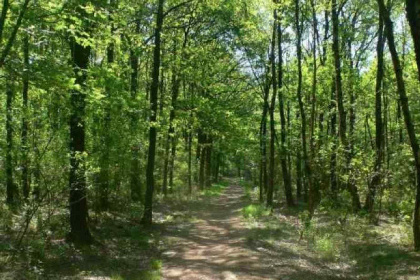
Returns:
point(215, 246)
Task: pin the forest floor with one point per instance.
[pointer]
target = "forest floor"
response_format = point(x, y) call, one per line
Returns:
point(228, 237)
point(220, 234)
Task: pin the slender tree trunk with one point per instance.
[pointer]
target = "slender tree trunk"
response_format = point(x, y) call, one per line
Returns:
point(407, 115)
point(170, 146)
point(377, 176)
point(7, 48)
point(135, 183)
point(338, 82)
point(263, 139)
point(147, 216)
point(10, 185)
point(271, 112)
point(325, 39)
point(79, 229)
point(24, 136)
point(286, 175)
point(106, 137)
point(299, 175)
point(202, 157)
point(333, 157)
point(189, 162)
point(340, 104)
point(314, 79)
point(4, 11)
point(314, 194)
point(208, 162)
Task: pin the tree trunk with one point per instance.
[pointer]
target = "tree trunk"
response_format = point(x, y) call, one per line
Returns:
point(10, 185)
point(340, 104)
point(299, 175)
point(314, 80)
point(286, 175)
point(314, 194)
point(24, 136)
point(407, 115)
point(106, 137)
point(135, 183)
point(271, 112)
point(79, 230)
point(170, 145)
point(333, 157)
point(189, 162)
point(413, 16)
point(263, 139)
point(338, 82)
point(147, 216)
point(377, 176)
point(202, 157)
point(207, 163)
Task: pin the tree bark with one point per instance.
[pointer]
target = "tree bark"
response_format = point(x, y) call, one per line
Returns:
point(333, 157)
point(24, 135)
point(208, 162)
point(79, 229)
point(407, 115)
point(147, 216)
point(377, 176)
point(340, 105)
point(10, 185)
point(271, 112)
point(314, 194)
point(283, 161)
point(135, 183)
point(263, 139)
point(413, 16)
point(106, 137)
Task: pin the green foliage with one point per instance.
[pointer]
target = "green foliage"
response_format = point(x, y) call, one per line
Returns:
point(215, 190)
point(255, 211)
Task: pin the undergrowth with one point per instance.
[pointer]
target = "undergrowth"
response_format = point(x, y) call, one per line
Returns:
point(344, 242)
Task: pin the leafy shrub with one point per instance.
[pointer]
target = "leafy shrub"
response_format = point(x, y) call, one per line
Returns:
point(255, 211)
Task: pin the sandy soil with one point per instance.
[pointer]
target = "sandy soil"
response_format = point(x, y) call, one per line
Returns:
point(215, 246)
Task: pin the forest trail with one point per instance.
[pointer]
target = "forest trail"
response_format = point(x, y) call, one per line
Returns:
point(215, 246)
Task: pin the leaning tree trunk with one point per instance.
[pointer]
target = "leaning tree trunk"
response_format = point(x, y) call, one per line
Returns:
point(148, 205)
point(377, 176)
point(413, 16)
point(79, 230)
point(407, 115)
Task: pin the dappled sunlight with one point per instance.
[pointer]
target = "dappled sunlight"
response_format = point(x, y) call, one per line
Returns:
point(219, 245)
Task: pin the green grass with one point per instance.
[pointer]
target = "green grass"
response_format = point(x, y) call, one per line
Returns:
point(255, 211)
point(215, 190)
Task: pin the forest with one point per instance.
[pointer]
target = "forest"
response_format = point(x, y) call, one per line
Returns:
point(210, 139)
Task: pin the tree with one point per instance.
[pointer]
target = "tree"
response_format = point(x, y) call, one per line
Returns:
point(150, 183)
point(80, 52)
point(376, 179)
point(407, 114)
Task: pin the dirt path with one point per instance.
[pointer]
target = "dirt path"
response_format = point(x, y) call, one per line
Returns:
point(214, 247)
